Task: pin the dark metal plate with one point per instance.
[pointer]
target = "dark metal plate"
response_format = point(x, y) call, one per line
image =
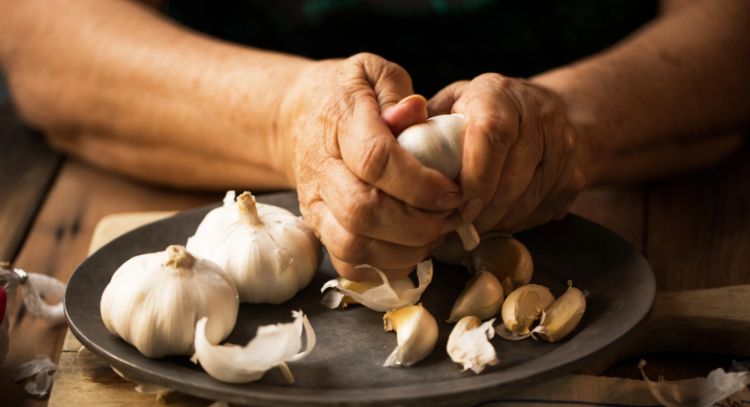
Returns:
point(345, 367)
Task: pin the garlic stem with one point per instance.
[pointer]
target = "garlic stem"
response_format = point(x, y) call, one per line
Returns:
point(179, 258)
point(248, 209)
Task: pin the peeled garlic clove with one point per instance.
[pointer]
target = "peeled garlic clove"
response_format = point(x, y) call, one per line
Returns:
point(469, 345)
point(506, 258)
point(482, 297)
point(438, 144)
point(273, 346)
point(416, 334)
point(381, 297)
point(561, 318)
point(524, 306)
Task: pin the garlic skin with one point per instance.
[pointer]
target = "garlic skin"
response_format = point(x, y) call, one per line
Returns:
point(469, 344)
point(272, 346)
point(438, 144)
point(269, 253)
point(482, 297)
point(562, 317)
point(416, 334)
point(382, 297)
point(505, 257)
point(524, 306)
point(154, 300)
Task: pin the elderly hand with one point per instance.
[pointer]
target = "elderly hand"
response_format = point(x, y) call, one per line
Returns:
point(369, 200)
point(523, 164)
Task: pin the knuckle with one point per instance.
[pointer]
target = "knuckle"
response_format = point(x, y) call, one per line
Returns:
point(497, 129)
point(361, 211)
point(353, 249)
point(374, 161)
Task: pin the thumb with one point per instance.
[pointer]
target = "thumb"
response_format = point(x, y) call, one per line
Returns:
point(407, 112)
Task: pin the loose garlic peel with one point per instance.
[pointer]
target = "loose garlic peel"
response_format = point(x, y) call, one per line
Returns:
point(272, 346)
point(482, 297)
point(561, 318)
point(506, 258)
point(381, 297)
point(438, 144)
point(154, 300)
point(522, 307)
point(469, 344)
point(416, 334)
point(269, 253)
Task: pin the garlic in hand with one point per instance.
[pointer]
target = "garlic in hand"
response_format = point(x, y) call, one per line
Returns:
point(438, 144)
point(269, 253)
point(506, 258)
point(381, 297)
point(154, 300)
point(469, 344)
point(416, 334)
point(522, 307)
point(561, 318)
point(482, 297)
point(272, 346)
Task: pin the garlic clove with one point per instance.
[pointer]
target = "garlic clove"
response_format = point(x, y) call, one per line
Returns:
point(469, 344)
point(450, 251)
point(482, 297)
point(562, 316)
point(416, 334)
point(381, 297)
point(506, 258)
point(273, 346)
point(524, 306)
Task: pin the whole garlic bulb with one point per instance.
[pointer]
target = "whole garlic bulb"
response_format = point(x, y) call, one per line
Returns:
point(269, 253)
point(154, 301)
point(438, 144)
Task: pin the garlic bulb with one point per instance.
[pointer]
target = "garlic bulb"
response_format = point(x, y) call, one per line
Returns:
point(561, 318)
point(381, 297)
point(506, 258)
point(269, 253)
point(469, 344)
point(416, 334)
point(438, 144)
point(273, 346)
point(482, 297)
point(154, 300)
point(522, 307)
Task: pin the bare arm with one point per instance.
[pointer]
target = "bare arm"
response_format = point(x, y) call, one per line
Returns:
point(123, 87)
point(642, 103)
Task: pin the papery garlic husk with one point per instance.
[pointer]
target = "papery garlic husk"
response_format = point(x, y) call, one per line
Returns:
point(506, 258)
point(438, 144)
point(562, 316)
point(272, 346)
point(523, 307)
point(269, 252)
point(450, 251)
point(469, 344)
point(380, 297)
point(416, 334)
point(154, 300)
point(482, 297)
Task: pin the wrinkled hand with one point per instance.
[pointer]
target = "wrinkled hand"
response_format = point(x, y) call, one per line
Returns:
point(522, 162)
point(369, 201)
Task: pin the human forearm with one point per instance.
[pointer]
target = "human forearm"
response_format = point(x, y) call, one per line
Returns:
point(663, 83)
point(116, 76)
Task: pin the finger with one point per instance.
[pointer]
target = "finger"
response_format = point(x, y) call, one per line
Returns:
point(350, 272)
point(407, 112)
point(357, 249)
point(364, 210)
point(443, 101)
point(371, 152)
point(493, 128)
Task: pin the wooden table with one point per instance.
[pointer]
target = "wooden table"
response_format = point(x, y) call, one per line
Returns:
point(694, 230)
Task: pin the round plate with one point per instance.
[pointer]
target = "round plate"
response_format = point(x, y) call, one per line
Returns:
point(346, 366)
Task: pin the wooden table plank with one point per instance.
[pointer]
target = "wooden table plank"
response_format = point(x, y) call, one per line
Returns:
point(60, 238)
point(699, 227)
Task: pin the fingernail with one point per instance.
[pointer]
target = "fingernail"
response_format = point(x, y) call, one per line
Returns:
point(471, 209)
point(450, 200)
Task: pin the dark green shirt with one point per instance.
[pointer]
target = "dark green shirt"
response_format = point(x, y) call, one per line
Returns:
point(437, 41)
